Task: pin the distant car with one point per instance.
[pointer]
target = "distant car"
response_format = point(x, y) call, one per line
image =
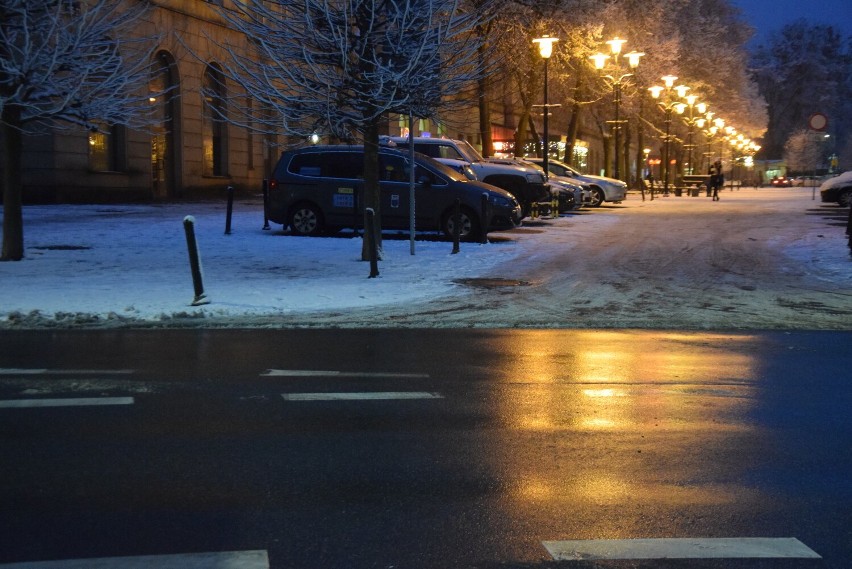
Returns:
point(781, 182)
point(572, 194)
point(602, 188)
point(837, 190)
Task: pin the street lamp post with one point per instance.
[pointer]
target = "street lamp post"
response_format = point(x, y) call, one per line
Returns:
point(691, 121)
point(616, 80)
point(668, 104)
point(545, 49)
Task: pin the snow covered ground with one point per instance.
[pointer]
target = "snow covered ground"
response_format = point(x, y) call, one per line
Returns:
point(130, 262)
point(128, 265)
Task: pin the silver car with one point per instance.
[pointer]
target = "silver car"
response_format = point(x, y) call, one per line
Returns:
point(603, 189)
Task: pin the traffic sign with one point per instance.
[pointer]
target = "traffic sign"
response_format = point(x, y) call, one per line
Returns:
point(818, 121)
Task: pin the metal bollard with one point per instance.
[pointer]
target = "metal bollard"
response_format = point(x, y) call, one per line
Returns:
point(534, 210)
point(370, 234)
point(194, 261)
point(265, 205)
point(230, 210)
point(456, 226)
point(486, 218)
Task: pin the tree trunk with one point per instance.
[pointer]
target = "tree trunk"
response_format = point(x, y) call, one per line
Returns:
point(573, 125)
point(485, 118)
point(521, 133)
point(626, 172)
point(372, 191)
point(13, 220)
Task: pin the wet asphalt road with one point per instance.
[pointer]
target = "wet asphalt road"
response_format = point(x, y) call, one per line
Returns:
point(477, 445)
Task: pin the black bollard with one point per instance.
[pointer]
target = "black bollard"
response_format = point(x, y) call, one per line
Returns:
point(230, 210)
point(486, 218)
point(265, 205)
point(194, 261)
point(370, 234)
point(849, 228)
point(456, 226)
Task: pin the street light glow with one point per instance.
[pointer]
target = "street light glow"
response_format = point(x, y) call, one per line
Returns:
point(599, 59)
point(545, 45)
point(633, 58)
point(615, 45)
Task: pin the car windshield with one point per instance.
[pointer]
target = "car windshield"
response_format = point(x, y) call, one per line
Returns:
point(470, 153)
point(440, 168)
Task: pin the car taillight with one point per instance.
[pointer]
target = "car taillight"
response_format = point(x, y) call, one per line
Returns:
point(273, 184)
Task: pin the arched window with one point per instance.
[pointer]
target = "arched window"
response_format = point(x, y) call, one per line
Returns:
point(107, 148)
point(214, 129)
point(164, 91)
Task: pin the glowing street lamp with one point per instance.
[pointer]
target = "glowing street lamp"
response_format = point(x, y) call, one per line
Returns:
point(668, 104)
point(615, 81)
point(545, 49)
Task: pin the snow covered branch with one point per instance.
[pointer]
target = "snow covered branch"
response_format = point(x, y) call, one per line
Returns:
point(73, 63)
point(335, 65)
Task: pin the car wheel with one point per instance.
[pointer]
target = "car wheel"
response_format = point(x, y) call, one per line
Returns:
point(845, 198)
point(468, 225)
point(597, 197)
point(306, 220)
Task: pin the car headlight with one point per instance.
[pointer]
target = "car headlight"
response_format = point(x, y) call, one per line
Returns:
point(501, 201)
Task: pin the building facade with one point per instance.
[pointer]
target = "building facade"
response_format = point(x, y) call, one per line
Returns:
point(190, 151)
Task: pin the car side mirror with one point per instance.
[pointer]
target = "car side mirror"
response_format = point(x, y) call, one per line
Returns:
point(424, 181)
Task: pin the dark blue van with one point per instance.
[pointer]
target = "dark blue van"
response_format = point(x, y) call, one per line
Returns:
point(319, 189)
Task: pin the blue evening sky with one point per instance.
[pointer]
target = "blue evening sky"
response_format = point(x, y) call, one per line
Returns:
point(769, 16)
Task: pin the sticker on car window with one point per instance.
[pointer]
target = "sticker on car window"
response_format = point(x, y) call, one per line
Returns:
point(344, 200)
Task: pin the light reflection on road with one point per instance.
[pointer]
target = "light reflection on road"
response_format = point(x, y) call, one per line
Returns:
point(628, 420)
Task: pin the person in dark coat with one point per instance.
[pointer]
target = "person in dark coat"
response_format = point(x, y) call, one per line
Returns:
point(717, 179)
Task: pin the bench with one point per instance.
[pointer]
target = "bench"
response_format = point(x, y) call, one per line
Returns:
point(692, 184)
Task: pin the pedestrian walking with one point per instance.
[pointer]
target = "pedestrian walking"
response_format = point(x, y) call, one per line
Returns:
point(717, 179)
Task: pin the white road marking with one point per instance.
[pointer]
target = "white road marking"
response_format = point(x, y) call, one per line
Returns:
point(320, 373)
point(67, 402)
point(366, 396)
point(45, 371)
point(680, 548)
point(217, 560)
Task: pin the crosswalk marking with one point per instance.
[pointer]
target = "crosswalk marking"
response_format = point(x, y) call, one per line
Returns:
point(680, 548)
point(257, 559)
point(364, 396)
point(46, 371)
point(65, 402)
point(332, 373)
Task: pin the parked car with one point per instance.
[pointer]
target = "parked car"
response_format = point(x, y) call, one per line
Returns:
point(319, 189)
point(837, 190)
point(521, 180)
point(781, 182)
point(572, 194)
point(602, 188)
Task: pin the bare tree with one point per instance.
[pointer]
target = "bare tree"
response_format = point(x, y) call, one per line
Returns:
point(64, 64)
point(802, 151)
point(338, 67)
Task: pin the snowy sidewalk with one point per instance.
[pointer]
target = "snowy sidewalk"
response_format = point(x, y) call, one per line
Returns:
point(114, 264)
point(127, 265)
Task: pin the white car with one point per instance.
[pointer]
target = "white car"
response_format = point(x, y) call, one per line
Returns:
point(837, 190)
point(603, 189)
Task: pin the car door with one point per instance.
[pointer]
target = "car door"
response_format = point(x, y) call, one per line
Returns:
point(395, 189)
